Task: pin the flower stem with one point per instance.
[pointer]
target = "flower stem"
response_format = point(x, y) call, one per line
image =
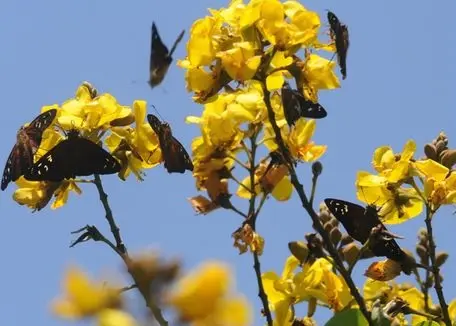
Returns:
point(253, 216)
point(121, 250)
point(435, 269)
point(109, 217)
point(308, 207)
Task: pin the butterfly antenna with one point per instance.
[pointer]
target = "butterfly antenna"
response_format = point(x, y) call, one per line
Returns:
point(176, 42)
point(158, 113)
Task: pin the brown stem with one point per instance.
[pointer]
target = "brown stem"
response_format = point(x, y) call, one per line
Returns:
point(109, 217)
point(121, 250)
point(253, 216)
point(308, 207)
point(435, 269)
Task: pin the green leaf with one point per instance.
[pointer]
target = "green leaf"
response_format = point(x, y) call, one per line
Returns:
point(427, 323)
point(352, 317)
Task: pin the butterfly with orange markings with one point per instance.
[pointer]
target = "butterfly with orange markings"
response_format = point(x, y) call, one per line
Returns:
point(174, 154)
point(28, 140)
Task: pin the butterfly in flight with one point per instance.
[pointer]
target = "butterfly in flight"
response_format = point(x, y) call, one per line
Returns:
point(28, 140)
point(359, 222)
point(296, 106)
point(174, 154)
point(160, 57)
point(74, 156)
point(339, 33)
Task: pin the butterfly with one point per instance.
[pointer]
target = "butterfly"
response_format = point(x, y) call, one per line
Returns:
point(28, 140)
point(339, 32)
point(174, 154)
point(359, 222)
point(295, 106)
point(160, 57)
point(74, 156)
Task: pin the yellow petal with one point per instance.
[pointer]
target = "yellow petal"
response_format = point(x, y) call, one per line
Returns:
point(283, 190)
point(114, 317)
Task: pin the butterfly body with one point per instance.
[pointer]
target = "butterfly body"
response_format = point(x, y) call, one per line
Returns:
point(160, 57)
point(174, 154)
point(28, 140)
point(339, 32)
point(296, 106)
point(359, 222)
point(74, 156)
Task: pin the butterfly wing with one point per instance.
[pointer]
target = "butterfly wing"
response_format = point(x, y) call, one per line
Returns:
point(176, 42)
point(176, 157)
point(359, 222)
point(34, 131)
point(296, 106)
point(155, 123)
point(159, 58)
point(27, 142)
point(174, 154)
point(353, 217)
point(342, 43)
point(73, 157)
point(339, 32)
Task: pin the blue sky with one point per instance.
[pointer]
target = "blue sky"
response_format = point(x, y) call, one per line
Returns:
point(400, 85)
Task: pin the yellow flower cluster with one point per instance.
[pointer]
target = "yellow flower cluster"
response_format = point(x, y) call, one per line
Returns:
point(237, 58)
point(201, 298)
point(314, 281)
point(94, 116)
point(395, 187)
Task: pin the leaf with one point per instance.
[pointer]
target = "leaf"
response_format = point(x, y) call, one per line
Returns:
point(352, 317)
point(427, 323)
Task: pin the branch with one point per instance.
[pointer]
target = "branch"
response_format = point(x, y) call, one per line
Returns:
point(109, 217)
point(308, 207)
point(253, 216)
point(435, 269)
point(121, 250)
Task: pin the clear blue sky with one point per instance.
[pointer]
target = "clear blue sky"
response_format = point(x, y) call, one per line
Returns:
point(401, 84)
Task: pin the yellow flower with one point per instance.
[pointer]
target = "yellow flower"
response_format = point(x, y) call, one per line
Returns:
point(136, 148)
point(384, 270)
point(115, 317)
point(202, 298)
point(36, 195)
point(240, 62)
point(395, 167)
point(318, 73)
point(398, 204)
point(200, 46)
point(314, 281)
point(275, 80)
point(440, 182)
point(274, 181)
point(84, 298)
point(387, 291)
point(85, 112)
point(298, 140)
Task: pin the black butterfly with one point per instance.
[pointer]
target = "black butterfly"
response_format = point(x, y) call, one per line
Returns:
point(74, 156)
point(174, 154)
point(28, 140)
point(160, 57)
point(359, 222)
point(339, 33)
point(295, 106)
